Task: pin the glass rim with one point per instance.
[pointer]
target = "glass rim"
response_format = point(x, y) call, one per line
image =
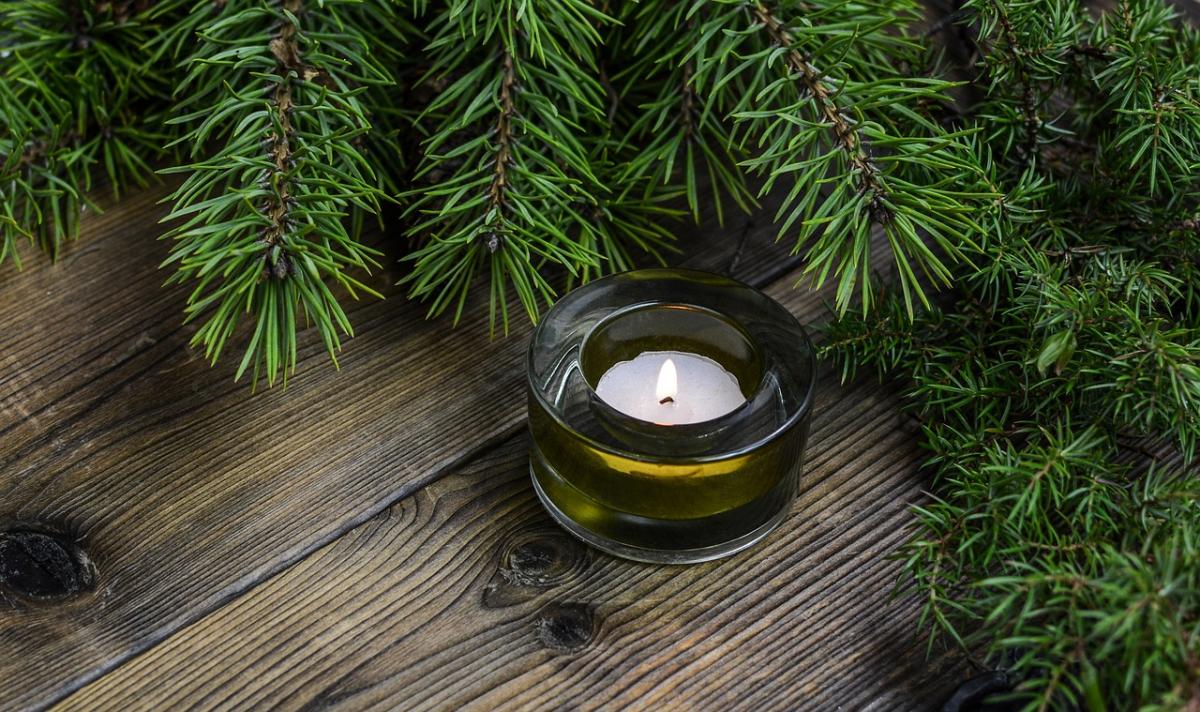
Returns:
point(809, 366)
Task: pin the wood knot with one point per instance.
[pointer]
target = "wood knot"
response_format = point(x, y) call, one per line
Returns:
point(533, 561)
point(565, 627)
point(542, 559)
point(973, 694)
point(43, 565)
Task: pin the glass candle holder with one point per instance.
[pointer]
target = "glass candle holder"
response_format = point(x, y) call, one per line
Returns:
point(698, 471)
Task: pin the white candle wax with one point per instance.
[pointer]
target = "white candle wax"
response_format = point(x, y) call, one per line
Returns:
point(670, 388)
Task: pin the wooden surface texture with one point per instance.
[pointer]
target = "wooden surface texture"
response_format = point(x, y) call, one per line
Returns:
point(369, 537)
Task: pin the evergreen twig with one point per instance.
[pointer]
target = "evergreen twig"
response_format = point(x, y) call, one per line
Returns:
point(285, 89)
point(78, 93)
point(1076, 330)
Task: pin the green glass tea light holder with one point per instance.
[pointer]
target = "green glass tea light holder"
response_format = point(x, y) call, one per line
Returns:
point(669, 414)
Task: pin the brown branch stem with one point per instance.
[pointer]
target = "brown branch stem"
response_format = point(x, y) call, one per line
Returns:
point(286, 50)
point(504, 133)
point(687, 101)
point(847, 135)
point(1033, 122)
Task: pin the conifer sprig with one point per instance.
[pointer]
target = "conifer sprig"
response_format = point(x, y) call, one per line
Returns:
point(1058, 386)
point(672, 137)
point(41, 178)
point(826, 102)
point(510, 180)
point(283, 90)
point(78, 96)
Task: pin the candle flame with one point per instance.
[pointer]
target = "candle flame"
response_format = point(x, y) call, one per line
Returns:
point(667, 383)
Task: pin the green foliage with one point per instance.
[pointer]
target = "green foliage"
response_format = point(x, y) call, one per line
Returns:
point(516, 173)
point(1058, 385)
point(829, 102)
point(277, 99)
point(550, 141)
point(530, 145)
point(77, 94)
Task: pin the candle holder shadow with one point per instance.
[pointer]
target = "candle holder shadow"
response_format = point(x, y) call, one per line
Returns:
point(669, 493)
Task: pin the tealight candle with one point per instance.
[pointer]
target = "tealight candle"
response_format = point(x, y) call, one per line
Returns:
point(670, 388)
point(669, 412)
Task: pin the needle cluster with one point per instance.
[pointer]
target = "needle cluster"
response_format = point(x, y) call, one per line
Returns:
point(1058, 383)
point(528, 145)
point(278, 103)
point(1041, 211)
point(78, 98)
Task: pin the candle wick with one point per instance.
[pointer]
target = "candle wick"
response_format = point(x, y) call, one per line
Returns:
point(666, 400)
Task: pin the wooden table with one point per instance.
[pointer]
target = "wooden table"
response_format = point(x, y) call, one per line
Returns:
point(369, 538)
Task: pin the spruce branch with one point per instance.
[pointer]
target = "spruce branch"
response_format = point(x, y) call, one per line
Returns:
point(1025, 50)
point(675, 140)
point(1028, 93)
point(854, 139)
point(509, 182)
point(78, 95)
point(866, 172)
point(41, 178)
point(1050, 542)
point(264, 222)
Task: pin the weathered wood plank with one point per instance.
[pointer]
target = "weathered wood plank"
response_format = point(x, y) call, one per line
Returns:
point(466, 595)
point(182, 488)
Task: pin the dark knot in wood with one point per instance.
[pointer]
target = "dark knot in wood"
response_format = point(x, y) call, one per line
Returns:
point(531, 562)
point(542, 559)
point(973, 694)
point(43, 565)
point(565, 627)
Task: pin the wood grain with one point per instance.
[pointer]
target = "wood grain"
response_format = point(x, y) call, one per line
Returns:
point(183, 489)
point(466, 595)
point(218, 523)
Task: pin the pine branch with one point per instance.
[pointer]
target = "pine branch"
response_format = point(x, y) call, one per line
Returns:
point(674, 139)
point(1026, 52)
point(283, 89)
point(1075, 330)
point(77, 94)
point(509, 185)
point(1028, 93)
point(1150, 94)
point(844, 137)
point(34, 151)
point(867, 173)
